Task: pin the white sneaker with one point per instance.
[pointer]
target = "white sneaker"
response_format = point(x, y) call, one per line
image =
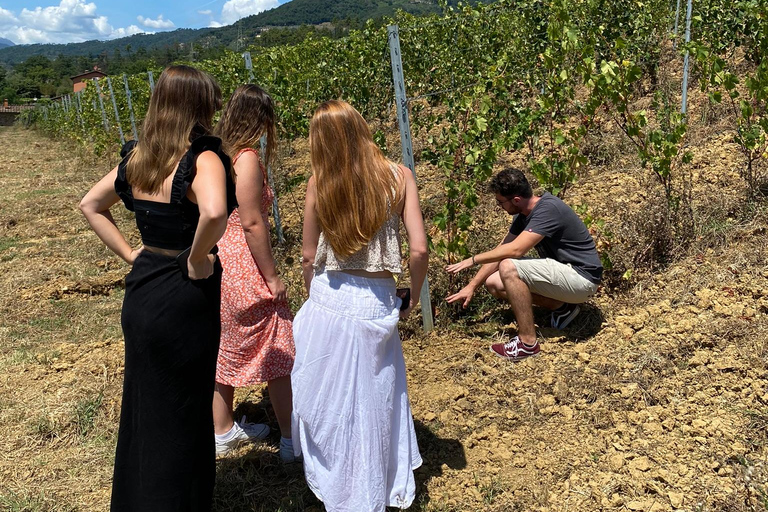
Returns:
point(242, 432)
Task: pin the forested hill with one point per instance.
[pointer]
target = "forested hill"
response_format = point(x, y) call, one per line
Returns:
point(293, 13)
point(5, 42)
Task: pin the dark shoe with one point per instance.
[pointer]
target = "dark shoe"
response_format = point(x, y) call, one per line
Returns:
point(515, 350)
point(564, 315)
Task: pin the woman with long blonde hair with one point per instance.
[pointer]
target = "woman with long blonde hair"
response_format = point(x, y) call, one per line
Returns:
point(352, 419)
point(176, 180)
point(256, 338)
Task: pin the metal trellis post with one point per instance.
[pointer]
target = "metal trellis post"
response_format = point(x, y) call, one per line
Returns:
point(130, 107)
point(677, 22)
point(117, 114)
point(151, 82)
point(404, 122)
point(684, 108)
point(101, 105)
point(79, 109)
point(275, 210)
point(249, 66)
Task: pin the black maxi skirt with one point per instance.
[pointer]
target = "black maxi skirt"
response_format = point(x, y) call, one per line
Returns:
point(165, 460)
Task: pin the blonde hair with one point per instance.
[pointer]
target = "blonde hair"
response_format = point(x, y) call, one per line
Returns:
point(249, 114)
point(181, 108)
point(356, 188)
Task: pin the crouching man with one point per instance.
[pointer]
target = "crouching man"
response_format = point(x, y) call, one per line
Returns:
point(566, 274)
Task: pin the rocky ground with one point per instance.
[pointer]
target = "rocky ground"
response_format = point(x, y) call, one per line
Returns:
point(656, 399)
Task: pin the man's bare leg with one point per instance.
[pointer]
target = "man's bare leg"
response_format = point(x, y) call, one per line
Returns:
point(546, 302)
point(519, 297)
point(495, 287)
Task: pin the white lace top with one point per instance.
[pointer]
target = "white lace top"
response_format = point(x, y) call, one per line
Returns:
point(381, 253)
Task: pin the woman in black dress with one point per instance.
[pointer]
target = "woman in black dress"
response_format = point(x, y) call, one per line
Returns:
point(176, 180)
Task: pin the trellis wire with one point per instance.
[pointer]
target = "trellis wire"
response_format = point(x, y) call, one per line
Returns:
point(117, 114)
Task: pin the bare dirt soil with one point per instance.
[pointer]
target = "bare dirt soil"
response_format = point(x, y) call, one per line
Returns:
point(655, 399)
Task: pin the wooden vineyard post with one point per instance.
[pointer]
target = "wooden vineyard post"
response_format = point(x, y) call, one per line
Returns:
point(403, 120)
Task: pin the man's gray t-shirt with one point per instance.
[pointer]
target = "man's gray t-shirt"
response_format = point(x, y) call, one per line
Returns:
point(566, 238)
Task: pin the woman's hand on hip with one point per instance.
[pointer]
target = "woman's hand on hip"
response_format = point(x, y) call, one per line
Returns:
point(134, 254)
point(202, 269)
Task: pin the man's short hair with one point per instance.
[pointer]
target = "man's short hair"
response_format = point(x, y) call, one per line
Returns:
point(511, 182)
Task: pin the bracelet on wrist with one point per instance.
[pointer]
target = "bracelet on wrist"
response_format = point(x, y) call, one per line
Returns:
point(473, 260)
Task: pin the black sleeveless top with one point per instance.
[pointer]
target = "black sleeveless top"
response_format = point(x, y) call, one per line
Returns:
point(172, 225)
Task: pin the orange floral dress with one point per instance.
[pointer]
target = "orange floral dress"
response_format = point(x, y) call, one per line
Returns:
point(256, 332)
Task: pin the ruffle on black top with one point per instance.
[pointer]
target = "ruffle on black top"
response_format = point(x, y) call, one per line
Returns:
point(185, 172)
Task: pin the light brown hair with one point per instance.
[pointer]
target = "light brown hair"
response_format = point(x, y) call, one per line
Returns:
point(356, 188)
point(249, 114)
point(181, 108)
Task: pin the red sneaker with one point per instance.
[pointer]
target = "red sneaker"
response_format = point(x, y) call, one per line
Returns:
point(515, 350)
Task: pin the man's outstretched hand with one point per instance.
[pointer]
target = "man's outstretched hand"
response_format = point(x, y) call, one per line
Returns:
point(458, 267)
point(465, 295)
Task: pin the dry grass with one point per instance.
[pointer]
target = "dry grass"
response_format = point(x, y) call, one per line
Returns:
point(655, 399)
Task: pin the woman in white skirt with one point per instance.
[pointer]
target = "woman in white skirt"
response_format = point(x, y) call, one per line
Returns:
point(351, 415)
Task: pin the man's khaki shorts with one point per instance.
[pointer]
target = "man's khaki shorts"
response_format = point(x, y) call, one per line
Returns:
point(550, 278)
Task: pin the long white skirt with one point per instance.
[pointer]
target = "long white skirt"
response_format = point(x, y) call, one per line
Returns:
point(351, 416)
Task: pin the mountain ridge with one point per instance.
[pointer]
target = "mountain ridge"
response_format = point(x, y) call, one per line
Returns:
point(293, 13)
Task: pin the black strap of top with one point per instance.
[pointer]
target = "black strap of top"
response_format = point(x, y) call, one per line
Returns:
point(185, 172)
point(122, 187)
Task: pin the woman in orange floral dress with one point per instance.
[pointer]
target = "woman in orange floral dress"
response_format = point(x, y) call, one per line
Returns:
point(256, 333)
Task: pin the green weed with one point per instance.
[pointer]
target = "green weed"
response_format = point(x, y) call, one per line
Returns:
point(8, 242)
point(24, 502)
point(85, 413)
point(43, 427)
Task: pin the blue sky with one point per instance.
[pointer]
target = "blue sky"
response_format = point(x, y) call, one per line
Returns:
point(69, 21)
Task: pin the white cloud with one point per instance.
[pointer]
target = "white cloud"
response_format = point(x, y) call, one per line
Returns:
point(159, 24)
point(70, 21)
point(233, 10)
point(206, 12)
point(127, 31)
point(215, 24)
point(7, 18)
